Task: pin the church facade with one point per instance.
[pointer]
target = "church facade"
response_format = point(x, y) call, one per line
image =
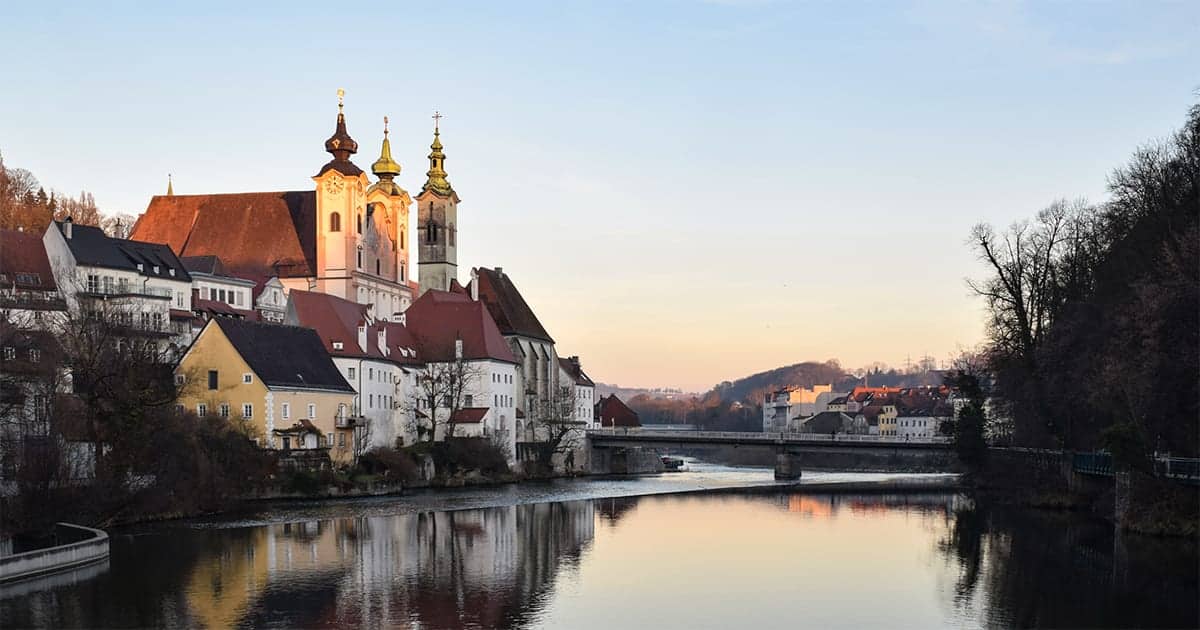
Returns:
point(347, 236)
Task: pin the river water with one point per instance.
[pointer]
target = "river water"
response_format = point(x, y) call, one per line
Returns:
point(628, 553)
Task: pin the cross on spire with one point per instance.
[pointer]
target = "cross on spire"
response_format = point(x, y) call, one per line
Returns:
point(437, 117)
point(385, 123)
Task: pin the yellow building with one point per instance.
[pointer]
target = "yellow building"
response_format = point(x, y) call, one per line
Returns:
point(276, 381)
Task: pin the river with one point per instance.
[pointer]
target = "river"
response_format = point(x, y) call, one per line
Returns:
point(628, 553)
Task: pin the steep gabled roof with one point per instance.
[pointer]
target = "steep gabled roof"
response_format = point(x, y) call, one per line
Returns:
point(288, 357)
point(571, 366)
point(512, 314)
point(825, 422)
point(256, 234)
point(612, 411)
point(438, 318)
point(469, 415)
point(23, 261)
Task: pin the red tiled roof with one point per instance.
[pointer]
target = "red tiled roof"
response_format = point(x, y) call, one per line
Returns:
point(613, 412)
point(337, 319)
point(24, 253)
point(258, 233)
point(508, 308)
point(469, 415)
point(438, 318)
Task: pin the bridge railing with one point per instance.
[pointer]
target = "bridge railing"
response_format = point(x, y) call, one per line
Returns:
point(748, 436)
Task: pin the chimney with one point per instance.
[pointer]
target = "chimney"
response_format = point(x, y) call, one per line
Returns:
point(499, 271)
point(458, 349)
point(475, 284)
point(362, 337)
point(67, 227)
point(383, 340)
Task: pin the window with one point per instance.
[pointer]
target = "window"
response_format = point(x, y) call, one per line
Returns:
point(247, 378)
point(467, 400)
point(401, 272)
point(403, 229)
point(377, 267)
point(212, 379)
point(370, 401)
point(201, 410)
point(360, 224)
point(312, 410)
point(287, 411)
point(247, 410)
point(93, 283)
point(156, 269)
point(335, 222)
point(178, 296)
point(35, 355)
point(349, 371)
point(221, 295)
point(329, 439)
point(180, 379)
point(224, 410)
point(342, 440)
point(370, 373)
point(287, 443)
point(179, 408)
point(360, 258)
point(337, 345)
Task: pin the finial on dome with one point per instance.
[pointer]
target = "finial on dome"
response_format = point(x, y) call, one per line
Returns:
point(170, 189)
point(341, 98)
point(385, 167)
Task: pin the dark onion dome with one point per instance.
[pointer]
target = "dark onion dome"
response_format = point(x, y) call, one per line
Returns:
point(341, 146)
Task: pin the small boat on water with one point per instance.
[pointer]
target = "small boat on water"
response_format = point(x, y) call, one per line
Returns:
point(672, 464)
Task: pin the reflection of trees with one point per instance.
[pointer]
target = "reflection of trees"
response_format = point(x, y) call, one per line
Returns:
point(1042, 569)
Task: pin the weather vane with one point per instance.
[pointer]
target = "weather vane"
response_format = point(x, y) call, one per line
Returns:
point(341, 96)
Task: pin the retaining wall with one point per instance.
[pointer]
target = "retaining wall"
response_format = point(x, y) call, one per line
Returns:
point(93, 547)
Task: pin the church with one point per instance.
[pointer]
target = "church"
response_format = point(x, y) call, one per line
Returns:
point(347, 236)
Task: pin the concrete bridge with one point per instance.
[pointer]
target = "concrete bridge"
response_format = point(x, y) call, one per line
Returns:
point(788, 447)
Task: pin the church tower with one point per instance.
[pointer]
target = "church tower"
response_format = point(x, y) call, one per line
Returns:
point(437, 222)
point(341, 206)
point(385, 238)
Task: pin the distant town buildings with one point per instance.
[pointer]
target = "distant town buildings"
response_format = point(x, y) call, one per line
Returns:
point(912, 412)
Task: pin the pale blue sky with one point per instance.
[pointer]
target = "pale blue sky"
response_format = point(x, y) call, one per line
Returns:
point(686, 191)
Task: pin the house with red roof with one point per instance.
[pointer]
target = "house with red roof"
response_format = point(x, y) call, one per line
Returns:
point(29, 295)
point(378, 358)
point(611, 412)
point(459, 342)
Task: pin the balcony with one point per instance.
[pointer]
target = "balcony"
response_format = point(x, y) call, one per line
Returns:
point(33, 300)
point(125, 291)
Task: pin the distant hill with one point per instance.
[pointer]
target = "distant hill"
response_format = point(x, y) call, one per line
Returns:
point(625, 393)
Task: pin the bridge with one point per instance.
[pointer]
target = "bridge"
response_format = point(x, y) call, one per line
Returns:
point(788, 447)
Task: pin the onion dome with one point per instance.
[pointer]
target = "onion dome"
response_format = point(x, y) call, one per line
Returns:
point(341, 145)
point(385, 168)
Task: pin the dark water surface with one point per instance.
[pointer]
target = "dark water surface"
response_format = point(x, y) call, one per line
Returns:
point(586, 554)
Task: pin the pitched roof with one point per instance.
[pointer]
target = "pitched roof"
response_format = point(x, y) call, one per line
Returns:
point(254, 234)
point(337, 320)
point(508, 308)
point(612, 411)
point(208, 264)
point(571, 366)
point(825, 422)
point(23, 261)
point(283, 356)
point(92, 247)
point(471, 415)
point(439, 318)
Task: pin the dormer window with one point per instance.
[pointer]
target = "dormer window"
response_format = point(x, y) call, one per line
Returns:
point(337, 345)
point(171, 271)
point(155, 269)
point(141, 267)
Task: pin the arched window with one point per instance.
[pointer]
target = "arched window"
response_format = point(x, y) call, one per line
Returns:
point(403, 231)
point(335, 222)
point(431, 232)
point(377, 266)
point(360, 258)
point(360, 224)
point(401, 272)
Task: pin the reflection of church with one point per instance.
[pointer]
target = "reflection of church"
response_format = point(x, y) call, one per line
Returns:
point(486, 567)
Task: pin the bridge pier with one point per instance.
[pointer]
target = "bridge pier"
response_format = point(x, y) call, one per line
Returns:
point(787, 465)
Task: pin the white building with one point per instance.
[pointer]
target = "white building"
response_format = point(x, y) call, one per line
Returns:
point(29, 296)
point(144, 284)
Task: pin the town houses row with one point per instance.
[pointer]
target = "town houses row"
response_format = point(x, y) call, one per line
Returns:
point(902, 412)
point(294, 312)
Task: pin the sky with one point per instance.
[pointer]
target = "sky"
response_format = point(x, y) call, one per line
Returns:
point(685, 191)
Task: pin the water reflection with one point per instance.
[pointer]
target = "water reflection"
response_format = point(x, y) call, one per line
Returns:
point(730, 560)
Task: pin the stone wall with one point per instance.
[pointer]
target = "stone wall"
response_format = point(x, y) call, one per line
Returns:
point(92, 548)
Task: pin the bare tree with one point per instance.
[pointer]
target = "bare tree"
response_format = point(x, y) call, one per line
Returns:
point(442, 389)
point(556, 430)
point(118, 225)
